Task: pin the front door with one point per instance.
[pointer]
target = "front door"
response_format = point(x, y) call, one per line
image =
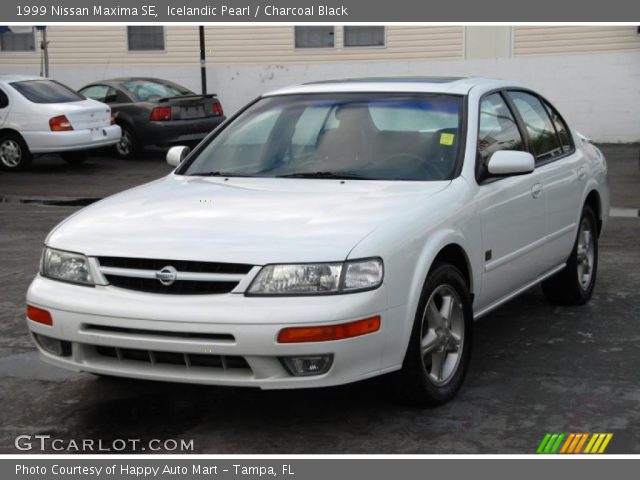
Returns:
point(512, 209)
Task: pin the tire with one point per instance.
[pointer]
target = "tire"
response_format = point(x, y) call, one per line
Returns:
point(129, 146)
point(14, 152)
point(75, 158)
point(574, 284)
point(434, 336)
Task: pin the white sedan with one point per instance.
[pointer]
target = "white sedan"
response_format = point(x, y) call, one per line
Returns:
point(329, 233)
point(39, 115)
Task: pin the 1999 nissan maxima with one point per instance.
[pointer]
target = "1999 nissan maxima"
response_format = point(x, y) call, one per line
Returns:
point(328, 233)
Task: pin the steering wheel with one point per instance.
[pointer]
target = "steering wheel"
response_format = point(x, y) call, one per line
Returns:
point(424, 163)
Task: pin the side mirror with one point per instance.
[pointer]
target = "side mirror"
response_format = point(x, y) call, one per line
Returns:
point(511, 162)
point(176, 155)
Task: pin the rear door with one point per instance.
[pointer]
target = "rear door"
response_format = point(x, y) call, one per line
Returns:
point(512, 208)
point(562, 169)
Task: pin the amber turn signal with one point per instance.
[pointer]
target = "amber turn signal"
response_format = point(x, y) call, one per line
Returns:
point(331, 332)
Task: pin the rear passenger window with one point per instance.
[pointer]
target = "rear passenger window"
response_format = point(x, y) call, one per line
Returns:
point(4, 100)
point(542, 134)
point(498, 129)
point(561, 128)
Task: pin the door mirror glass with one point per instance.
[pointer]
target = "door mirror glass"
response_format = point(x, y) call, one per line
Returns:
point(511, 162)
point(176, 155)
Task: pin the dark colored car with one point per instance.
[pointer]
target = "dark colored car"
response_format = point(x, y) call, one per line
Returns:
point(152, 111)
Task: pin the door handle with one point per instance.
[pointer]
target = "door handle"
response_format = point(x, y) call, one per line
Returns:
point(582, 173)
point(536, 190)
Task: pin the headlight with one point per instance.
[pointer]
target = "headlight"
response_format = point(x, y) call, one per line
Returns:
point(66, 266)
point(318, 278)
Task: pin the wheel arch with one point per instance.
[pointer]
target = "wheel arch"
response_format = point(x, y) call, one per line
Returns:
point(595, 203)
point(14, 132)
point(454, 254)
point(446, 247)
point(122, 118)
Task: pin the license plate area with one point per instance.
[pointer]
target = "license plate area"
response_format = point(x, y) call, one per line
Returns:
point(98, 133)
point(189, 112)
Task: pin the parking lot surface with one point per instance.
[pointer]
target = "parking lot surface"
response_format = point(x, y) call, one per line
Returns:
point(536, 368)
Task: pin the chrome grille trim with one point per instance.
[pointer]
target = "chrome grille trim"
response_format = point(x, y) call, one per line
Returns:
point(190, 276)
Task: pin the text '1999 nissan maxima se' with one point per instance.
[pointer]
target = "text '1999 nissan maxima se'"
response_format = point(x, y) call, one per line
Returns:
point(328, 233)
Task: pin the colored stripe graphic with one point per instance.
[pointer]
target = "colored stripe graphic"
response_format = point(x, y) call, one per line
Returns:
point(573, 443)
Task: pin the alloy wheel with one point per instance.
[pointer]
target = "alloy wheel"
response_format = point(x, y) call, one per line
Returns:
point(585, 254)
point(442, 335)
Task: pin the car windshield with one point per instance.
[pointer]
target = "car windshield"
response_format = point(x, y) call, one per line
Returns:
point(146, 90)
point(353, 135)
point(46, 91)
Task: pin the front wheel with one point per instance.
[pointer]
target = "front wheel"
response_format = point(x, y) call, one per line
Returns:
point(574, 284)
point(439, 349)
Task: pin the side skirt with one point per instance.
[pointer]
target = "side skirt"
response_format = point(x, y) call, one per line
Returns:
point(497, 303)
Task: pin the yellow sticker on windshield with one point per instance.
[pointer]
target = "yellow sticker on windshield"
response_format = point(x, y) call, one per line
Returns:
point(447, 138)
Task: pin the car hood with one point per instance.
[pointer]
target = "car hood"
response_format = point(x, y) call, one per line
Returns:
point(239, 220)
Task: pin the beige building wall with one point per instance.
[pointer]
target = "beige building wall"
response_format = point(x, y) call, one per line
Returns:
point(263, 44)
point(107, 45)
point(563, 40)
point(488, 42)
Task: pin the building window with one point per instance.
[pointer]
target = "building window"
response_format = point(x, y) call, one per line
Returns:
point(363, 36)
point(17, 42)
point(314, 37)
point(145, 38)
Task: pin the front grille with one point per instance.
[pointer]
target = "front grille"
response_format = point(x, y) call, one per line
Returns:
point(188, 360)
point(180, 265)
point(179, 287)
point(191, 277)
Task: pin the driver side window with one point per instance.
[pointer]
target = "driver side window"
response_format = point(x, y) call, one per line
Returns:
point(498, 129)
point(96, 92)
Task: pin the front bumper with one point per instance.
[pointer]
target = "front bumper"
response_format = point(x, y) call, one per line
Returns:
point(176, 132)
point(52, 142)
point(227, 327)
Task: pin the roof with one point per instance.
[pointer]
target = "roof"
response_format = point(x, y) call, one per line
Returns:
point(120, 80)
point(19, 78)
point(452, 85)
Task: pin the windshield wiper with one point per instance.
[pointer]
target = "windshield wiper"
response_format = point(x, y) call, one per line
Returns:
point(336, 175)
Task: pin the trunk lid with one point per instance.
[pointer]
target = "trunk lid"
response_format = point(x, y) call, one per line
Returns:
point(189, 107)
point(85, 116)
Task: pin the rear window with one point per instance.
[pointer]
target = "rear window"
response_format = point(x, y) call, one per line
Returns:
point(146, 90)
point(46, 91)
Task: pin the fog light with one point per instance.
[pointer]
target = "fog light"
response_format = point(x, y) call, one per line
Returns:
point(306, 366)
point(53, 345)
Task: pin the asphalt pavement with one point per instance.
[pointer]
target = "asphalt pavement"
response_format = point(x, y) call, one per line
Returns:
point(536, 368)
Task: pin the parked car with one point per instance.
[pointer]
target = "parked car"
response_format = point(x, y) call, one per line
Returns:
point(152, 111)
point(331, 232)
point(39, 115)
